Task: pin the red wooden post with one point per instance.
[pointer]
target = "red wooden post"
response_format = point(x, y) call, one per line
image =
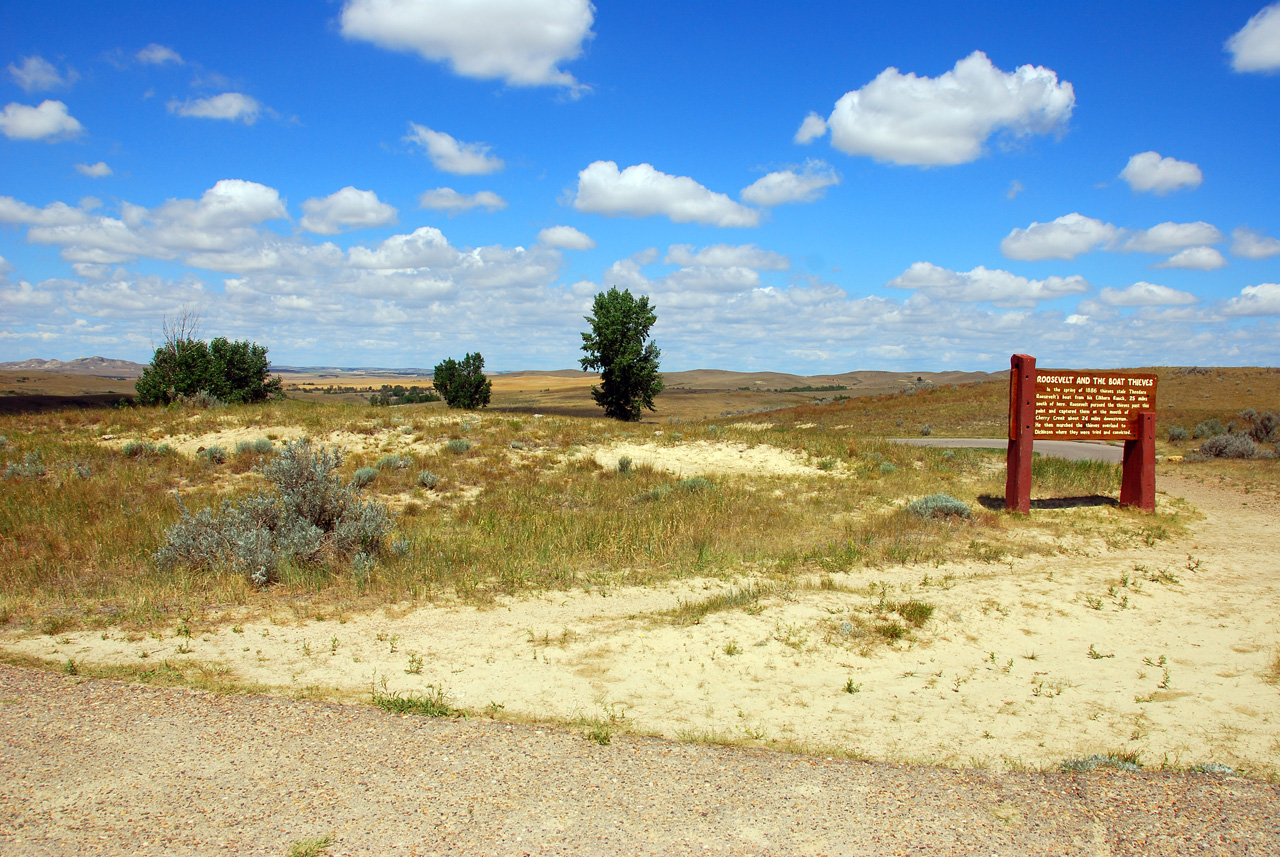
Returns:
point(1022, 426)
point(1138, 479)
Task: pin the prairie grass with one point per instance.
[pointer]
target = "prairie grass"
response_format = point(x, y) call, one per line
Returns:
point(524, 507)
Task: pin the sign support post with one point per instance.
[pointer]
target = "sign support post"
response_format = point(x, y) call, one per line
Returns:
point(1138, 475)
point(1022, 423)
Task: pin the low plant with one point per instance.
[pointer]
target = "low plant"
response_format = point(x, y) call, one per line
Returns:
point(213, 454)
point(138, 449)
point(263, 446)
point(914, 611)
point(314, 847)
point(1209, 428)
point(695, 485)
point(458, 445)
point(395, 462)
point(851, 686)
point(624, 464)
point(1229, 446)
point(310, 517)
point(939, 506)
point(364, 477)
point(427, 479)
point(1127, 761)
point(32, 467)
point(433, 701)
point(1178, 434)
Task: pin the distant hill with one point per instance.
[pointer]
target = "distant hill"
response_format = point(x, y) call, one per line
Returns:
point(102, 367)
point(856, 383)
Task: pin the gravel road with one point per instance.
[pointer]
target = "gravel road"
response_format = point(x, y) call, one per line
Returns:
point(89, 766)
point(1072, 450)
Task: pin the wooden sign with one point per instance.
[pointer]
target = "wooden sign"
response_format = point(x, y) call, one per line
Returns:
point(1090, 405)
point(1061, 404)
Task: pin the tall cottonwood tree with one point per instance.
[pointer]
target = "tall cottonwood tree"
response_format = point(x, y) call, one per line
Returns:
point(616, 346)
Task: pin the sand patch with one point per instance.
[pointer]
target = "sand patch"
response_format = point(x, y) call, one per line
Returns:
point(706, 458)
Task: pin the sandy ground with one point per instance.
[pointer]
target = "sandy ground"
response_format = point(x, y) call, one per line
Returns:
point(1168, 651)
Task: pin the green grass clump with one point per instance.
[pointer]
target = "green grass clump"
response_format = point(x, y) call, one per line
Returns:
point(432, 702)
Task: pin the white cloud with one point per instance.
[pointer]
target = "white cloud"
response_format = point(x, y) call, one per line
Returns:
point(1149, 173)
point(566, 238)
point(49, 121)
point(346, 209)
point(925, 121)
point(1262, 299)
point(94, 171)
point(154, 54)
point(1064, 238)
point(1250, 244)
point(1145, 294)
point(424, 247)
point(642, 191)
point(448, 199)
point(813, 127)
point(37, 74)
point(1168, 236)
point(1015, 188)
point(789, 186)
point(981, 284)
point(1195, 259)
point(522, 43)
point(451, 155)
point(1257, 46)
point(726, 256)
point(231, 106)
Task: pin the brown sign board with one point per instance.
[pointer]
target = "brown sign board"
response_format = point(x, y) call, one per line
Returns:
point(1088, 405)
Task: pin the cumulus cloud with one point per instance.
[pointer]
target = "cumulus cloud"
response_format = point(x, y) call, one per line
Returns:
point(1262, 299)
point(1149, 173)
point(1145, 294)
point(521, 43)
point(1195, 259)
point(1250, 244)
point(94, 171)
point(346, 209)
point(981, 284)
point(49, 121)
point(451, 155)
point(448, 199)
point(1168, 236)
point(727, 256)
point(905, 119)
point(566, 238)
point(1257, 46)
point(642, 191)
point(154, 54)
point(424, 247)
point(37, 74)
point(1064, 238)
point(231, 106)
point(813, 127)
point(786, 186)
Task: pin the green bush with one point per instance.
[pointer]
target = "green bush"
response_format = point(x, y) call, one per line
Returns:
point(1209, 428)
point(427, 479)
point(1177, 434)
point(192, 371)
point(458, 445)
point(395, 462)
point(695, 485)
point(213, 454)
point(32, 467)
point(364, 476)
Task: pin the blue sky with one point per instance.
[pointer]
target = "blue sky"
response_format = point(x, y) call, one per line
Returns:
point(813, 188)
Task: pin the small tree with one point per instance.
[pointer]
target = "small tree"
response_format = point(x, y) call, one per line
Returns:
point(462, 385)
point(616, 346)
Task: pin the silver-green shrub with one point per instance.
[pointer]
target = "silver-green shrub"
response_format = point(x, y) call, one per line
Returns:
point(1178, 434)
point(32, 467)
point(458, 445)
point(1229, 446)
point(307, 517)
point(364, 476)
point(213, 454)
point(263, 445)
point(939, 506)
point(427, 479)
point(396, 462)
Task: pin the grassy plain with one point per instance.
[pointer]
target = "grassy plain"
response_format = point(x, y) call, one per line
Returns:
point(778, 539)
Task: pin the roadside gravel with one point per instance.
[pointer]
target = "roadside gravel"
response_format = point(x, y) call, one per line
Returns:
point(90, 766)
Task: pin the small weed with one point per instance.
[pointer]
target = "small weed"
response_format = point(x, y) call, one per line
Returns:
point(415, 664)
point(1119, 761)
point(317, 847)
point(1092, 602)
point(70, 667)
point(1096, 655)
point(624, 464)
point(851, 687)
point(431, 702)
point(732, 648)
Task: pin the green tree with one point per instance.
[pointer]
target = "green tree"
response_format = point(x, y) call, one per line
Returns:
point(616, 346)
point(462, 385)
point(185, 365)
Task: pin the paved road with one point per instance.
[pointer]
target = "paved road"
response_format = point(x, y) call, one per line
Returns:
point(1073, 450)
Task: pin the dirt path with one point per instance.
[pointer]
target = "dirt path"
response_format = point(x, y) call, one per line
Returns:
point(96, 767)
